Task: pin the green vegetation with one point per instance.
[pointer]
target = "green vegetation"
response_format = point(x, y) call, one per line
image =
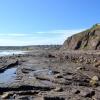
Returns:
point(86, 47)
point(83, 35)
point(92, 36)
point(96, 27)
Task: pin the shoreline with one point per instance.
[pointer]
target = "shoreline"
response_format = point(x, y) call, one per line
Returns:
point(69, 74)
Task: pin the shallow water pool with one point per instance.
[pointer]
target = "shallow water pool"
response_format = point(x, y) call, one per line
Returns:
point(8, 76)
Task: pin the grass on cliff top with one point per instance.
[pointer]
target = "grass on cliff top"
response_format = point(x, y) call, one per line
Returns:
point(96, 27)
point(82, 35)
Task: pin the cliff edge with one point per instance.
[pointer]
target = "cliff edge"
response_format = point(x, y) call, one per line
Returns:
point(87, 40)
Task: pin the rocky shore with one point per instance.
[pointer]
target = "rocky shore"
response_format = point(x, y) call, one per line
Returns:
point(51, 75)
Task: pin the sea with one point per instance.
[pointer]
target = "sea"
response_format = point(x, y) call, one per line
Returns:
point(11, 52)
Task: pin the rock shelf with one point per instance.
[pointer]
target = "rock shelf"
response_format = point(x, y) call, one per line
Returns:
point(51, 75)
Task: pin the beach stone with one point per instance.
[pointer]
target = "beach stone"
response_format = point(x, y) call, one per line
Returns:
point(95, 78)
point(5, 95)
point(79, 68)
point(81, 57)
point(95, 60)
point(58, 89)
point(75, 91)
point(58, 76)
point(97, 64)
point(80, 60)
point(93, 83)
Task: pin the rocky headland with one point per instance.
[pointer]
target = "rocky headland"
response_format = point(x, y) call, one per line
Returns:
point(86, 40)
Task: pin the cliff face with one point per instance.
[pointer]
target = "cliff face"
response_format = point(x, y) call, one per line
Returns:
point(89, 39)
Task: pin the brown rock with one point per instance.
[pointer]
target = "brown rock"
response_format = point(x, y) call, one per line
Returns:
point(89, 39)
point(94, 81)
point(95, 78)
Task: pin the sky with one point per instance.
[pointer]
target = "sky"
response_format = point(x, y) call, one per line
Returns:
point(45, 22)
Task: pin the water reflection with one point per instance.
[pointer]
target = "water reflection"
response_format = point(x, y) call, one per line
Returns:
point(7, 76)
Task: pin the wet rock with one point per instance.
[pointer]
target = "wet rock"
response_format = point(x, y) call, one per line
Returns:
point(8, 64)
point(21, 98)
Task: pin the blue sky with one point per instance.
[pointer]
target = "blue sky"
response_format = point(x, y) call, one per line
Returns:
point(39, 22)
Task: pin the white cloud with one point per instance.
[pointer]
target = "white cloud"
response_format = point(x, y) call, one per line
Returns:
point(13, 34)
point(62, 31)
point(59, 35)
point(56, 37)
point(17, 34)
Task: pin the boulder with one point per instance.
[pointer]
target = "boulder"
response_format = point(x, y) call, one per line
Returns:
point(95, 78)
point(94, 81)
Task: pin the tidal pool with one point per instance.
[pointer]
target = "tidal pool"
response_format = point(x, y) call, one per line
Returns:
point(8, 75)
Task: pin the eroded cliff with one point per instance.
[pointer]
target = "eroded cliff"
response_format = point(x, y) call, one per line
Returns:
point(88, 39)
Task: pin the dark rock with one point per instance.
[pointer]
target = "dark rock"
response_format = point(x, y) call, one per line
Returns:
point(75, 91)
point(58, 76)
point(26, 70)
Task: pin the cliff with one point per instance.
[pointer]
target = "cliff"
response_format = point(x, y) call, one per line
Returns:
point(88, 39)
